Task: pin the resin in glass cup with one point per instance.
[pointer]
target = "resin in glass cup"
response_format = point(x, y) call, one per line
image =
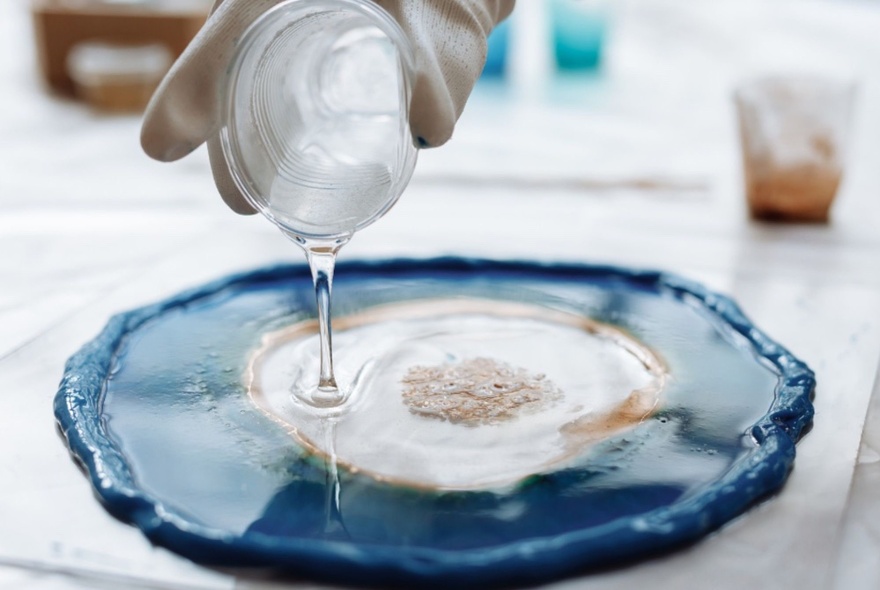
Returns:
point(793, 133)
point(317, 134)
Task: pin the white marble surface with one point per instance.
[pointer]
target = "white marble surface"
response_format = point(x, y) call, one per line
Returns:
point(89, 227)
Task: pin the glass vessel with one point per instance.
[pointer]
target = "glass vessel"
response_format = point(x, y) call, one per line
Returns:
point(316, 129)
point(794, 132)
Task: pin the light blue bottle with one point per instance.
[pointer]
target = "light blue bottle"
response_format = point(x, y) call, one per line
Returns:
point(579, 30)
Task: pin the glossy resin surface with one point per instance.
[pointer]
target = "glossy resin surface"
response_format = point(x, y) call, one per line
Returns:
point(157, 409)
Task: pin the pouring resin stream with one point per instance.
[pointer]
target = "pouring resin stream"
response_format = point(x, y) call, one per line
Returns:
point(317, 136)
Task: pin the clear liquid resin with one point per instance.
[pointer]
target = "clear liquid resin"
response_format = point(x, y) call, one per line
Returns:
point(326, 393)
point(462, 393)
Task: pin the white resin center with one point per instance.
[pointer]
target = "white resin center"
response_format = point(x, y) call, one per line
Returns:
point(461, 393)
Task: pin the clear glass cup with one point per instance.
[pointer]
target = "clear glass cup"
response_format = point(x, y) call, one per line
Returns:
point(794, 132)
point(317, 116)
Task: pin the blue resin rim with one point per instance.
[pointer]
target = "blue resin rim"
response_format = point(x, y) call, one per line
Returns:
point(78, 412)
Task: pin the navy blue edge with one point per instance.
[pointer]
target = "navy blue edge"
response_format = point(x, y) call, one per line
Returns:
point(763, 472)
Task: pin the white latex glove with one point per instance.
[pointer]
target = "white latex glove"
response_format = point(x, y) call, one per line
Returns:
point(449, 37)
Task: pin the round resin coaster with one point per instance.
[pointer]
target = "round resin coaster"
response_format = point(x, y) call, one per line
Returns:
point(506, 421)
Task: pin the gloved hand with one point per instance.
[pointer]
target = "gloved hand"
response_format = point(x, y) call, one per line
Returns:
point(449, 38)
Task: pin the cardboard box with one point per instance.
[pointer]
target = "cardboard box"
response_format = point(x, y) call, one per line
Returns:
point(61, 24)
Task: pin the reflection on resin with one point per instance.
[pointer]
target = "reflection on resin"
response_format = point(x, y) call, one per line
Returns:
point(462, 393)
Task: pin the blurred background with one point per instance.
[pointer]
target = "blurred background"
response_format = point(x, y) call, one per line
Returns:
point(603, 101)
point(582, 94)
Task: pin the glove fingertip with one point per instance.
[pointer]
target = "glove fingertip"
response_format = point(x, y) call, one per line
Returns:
point(235, 201)
point(157, 139)
point(164, 151)
point(223, 180)
point(432, 113)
